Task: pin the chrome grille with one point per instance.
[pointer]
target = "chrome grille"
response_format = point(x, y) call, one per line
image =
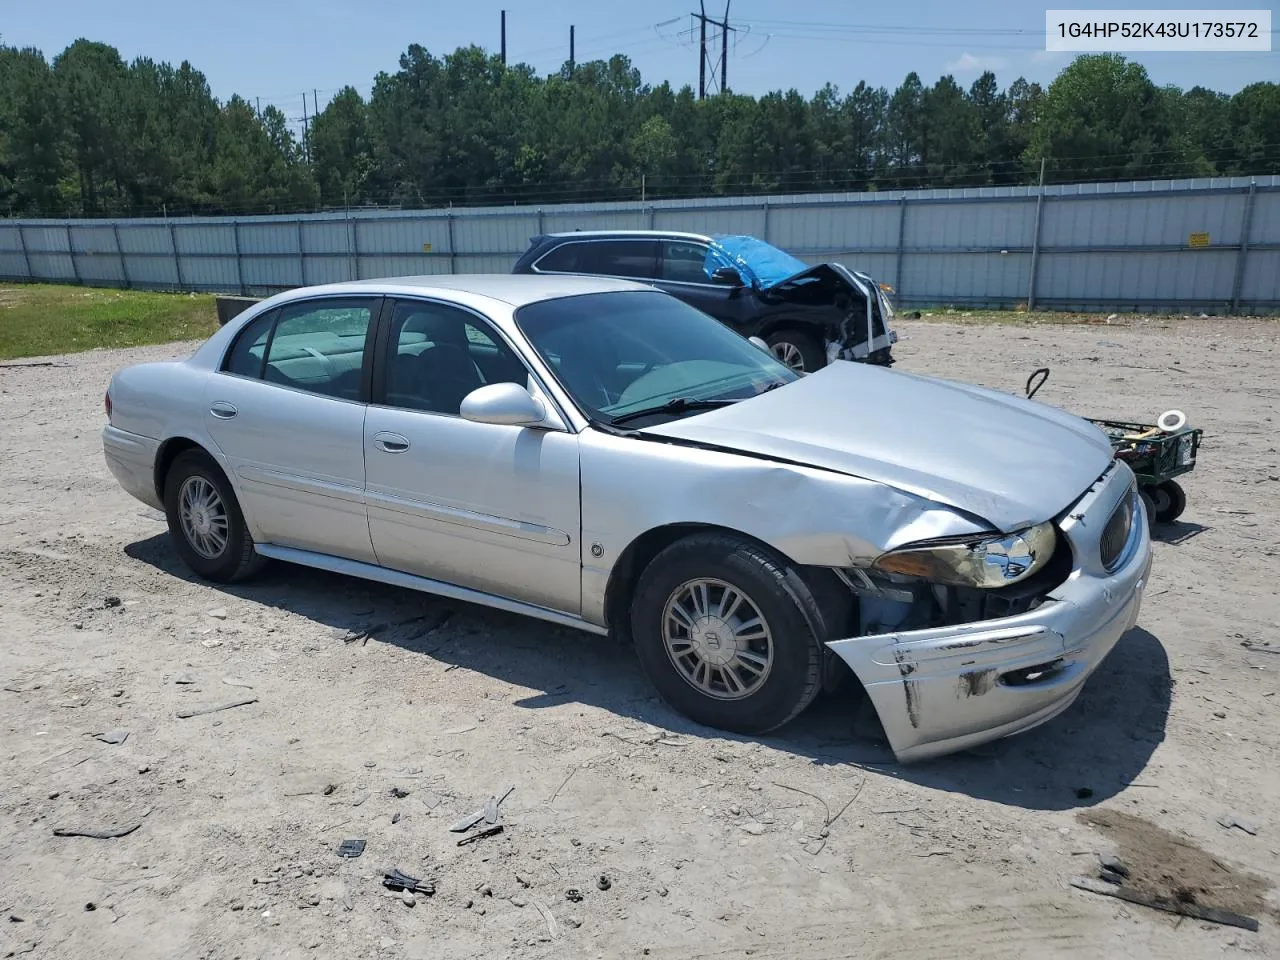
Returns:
point(1116, 533)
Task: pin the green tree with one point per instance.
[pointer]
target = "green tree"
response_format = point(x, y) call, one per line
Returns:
point(1255, 129)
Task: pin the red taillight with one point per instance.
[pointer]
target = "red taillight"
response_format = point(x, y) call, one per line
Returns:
point(106, 403)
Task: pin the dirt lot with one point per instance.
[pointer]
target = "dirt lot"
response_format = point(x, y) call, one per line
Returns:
point(713, 847)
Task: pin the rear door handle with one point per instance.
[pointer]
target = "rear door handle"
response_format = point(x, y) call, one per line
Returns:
point(390, 442)
point(223, 410)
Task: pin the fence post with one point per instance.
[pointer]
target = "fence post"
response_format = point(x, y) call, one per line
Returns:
point(1246, 225)
point(652, 214)
point(71, 252)
point(235, 234)
point(902, 235)
point(302, 258)
point(453, 258)
point(540, 227)
point(1035, 242)
point(124, 267)
point(177, 262)
point(355, 245)
point(26, 257)
point(764, 234)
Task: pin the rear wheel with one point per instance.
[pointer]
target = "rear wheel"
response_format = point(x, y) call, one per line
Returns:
point(726, 633)
point(205, 521)
point(1169, 500)
point(799, 351)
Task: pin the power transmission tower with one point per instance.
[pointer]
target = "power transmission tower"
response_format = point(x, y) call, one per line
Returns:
point(707, 58)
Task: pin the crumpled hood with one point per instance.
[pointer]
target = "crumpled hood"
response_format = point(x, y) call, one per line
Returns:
point(1013, 462)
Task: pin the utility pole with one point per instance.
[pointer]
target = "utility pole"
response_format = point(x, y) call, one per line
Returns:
point(315, 102)
point(724, 49)
point(306, 143)
point(705, 56)
point(504, 38)
point(571, 59)
point(702, 52)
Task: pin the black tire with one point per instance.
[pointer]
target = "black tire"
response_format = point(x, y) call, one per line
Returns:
point(1151, 509)
point(237, 558)
point(782, 599)
point(1170, 500)
point(802, 348)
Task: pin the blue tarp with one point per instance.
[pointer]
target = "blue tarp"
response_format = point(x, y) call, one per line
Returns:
point(754, 259)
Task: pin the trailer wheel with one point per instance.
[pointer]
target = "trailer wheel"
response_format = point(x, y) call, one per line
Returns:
point(1170, 501)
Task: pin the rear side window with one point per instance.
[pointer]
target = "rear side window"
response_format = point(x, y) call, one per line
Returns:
point(319, 346)
point(636, 259)
point(249, 350)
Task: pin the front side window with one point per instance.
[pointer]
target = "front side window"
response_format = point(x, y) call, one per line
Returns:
point(619, 354)
point(438, 354)
point(319, 346)
point(684, 261)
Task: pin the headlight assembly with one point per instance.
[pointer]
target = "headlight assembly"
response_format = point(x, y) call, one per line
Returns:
point(984, 561)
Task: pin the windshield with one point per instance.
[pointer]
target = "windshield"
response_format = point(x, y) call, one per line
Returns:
point(753, 258)
point(621, 353)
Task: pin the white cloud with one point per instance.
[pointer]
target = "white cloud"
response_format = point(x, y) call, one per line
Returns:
point(1050, 57)
point(968, 63)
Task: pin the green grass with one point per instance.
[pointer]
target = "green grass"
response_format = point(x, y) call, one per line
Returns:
point(38, 320)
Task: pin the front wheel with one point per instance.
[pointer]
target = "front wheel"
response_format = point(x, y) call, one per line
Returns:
point(799, 351)
point(205, 521)
point(726, 633)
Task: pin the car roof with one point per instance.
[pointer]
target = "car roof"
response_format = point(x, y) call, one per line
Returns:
point(640, 234)
point(515, 290)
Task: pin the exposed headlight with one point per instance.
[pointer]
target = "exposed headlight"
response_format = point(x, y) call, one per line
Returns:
point(983, 561)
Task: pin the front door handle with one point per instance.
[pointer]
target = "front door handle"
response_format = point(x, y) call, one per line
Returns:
point(390, 442)
point(223, 410)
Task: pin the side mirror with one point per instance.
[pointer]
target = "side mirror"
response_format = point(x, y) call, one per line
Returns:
point(727, 275)
point(761, 344)
point(508, 404)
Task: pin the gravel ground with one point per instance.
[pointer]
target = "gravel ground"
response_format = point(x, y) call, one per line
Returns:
point(384, 715)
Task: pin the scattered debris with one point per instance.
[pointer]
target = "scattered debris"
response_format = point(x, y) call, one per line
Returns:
point(1185, 908)
point(490, 813)
point(233, 682)
point(935, 852)
point(110, 602)
point(399, 792)
point(563, 783)
point(466, 729)
point(1229, 820)
point(603, 882)
point(360, 799)
point(395, 880)
point(883, 813)
point(187, 714)
point(573, 895)
point(1112, 865)
point(1258, 647)
point(218, 613)
point(351, 848)
point(754, 829)
point(113, 736)
point(487, 832)
point(553, 929)
point(408, 898)
point(110, 833)
point(183, 679)
point(395, 817)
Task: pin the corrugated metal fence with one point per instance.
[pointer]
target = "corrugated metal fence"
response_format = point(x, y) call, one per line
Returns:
point(1150, 245)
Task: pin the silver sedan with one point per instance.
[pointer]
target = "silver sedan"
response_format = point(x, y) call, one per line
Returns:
point(598, 454)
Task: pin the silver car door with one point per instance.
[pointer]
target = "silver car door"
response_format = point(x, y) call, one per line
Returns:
point(485, 506)
point(287, 413)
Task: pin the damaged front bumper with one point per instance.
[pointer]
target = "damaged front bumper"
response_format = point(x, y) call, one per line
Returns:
point(944, 689)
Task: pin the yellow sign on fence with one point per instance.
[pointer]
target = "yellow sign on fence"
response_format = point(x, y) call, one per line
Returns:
point(1198, 240)
point(426, 247)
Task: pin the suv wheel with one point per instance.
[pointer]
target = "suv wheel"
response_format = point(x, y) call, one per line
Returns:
point(799, 351)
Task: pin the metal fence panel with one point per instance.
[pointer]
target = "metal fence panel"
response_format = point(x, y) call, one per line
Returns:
point(1144, 245)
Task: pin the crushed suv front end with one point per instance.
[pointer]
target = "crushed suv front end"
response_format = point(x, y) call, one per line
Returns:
point(942, 687)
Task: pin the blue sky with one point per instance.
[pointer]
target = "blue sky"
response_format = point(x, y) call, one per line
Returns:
point(276, 49)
